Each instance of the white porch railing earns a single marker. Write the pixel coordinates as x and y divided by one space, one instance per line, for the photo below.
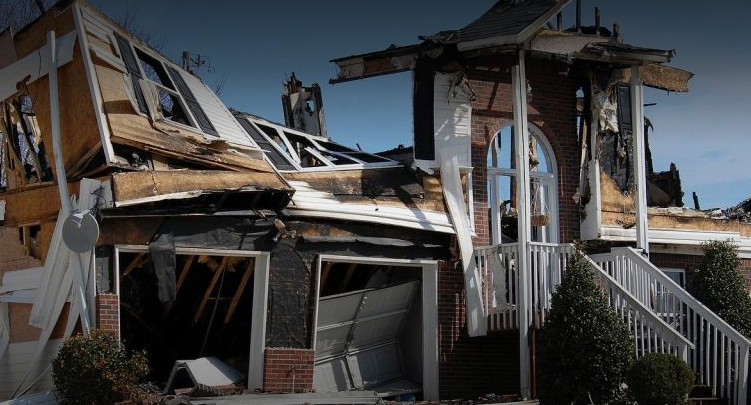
497 267
721 354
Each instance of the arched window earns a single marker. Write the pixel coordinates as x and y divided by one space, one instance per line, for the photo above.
502 176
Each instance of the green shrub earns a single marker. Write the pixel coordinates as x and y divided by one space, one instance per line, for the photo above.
660 379
97 370
718 285
584 349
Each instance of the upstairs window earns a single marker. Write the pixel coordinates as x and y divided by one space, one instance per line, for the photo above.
160 90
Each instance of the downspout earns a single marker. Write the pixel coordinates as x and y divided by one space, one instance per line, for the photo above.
521 139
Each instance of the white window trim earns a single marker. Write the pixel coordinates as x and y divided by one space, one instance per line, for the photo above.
260 299
549 179
429 295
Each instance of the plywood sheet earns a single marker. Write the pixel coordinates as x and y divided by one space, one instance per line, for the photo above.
133 186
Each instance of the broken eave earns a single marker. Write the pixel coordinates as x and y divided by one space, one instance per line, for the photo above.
394 59
201 190
623 54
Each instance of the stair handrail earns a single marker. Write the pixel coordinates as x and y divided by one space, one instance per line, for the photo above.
677 339
681 293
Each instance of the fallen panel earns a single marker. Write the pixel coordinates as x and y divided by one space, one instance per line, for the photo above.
205 371
357 337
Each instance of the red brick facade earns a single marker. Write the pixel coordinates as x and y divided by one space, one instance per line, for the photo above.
288 370
552 109
469 367
107 313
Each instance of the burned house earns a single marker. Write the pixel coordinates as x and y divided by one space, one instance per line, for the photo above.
196 232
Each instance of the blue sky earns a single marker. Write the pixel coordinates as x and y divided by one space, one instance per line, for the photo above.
256 45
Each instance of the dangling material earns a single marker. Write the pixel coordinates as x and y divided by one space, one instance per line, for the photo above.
539 215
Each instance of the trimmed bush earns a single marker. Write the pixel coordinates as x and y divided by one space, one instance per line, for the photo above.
584 349
660 379
719 285
97 370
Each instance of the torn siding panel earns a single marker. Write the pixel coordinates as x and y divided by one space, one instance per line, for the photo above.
35 65
140 187
16 360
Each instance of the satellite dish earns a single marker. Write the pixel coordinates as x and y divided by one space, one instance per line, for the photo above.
80 231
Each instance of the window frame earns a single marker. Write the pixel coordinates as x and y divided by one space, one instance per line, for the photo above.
547 179
193 126
294 159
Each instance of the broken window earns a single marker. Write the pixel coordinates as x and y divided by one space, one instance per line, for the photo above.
210 315
293 150
166 95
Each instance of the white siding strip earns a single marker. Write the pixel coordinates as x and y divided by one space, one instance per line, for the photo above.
21 279
35 65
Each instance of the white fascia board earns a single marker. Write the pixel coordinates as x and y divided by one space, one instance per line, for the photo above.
677 237
35 65
406 218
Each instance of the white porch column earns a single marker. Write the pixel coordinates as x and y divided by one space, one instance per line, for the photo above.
521 139
640 171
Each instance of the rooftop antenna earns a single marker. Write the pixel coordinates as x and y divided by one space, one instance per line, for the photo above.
193 63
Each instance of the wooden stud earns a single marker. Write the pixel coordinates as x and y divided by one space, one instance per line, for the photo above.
347 277
135 263
210 289
239 292
184 273
325 274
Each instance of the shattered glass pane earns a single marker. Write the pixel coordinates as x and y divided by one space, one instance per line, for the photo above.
171 108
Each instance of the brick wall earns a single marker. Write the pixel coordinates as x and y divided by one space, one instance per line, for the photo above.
107 314
552 109
470 367
288 370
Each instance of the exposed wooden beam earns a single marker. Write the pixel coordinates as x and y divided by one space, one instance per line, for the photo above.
240 290
210 289
137 261
184 273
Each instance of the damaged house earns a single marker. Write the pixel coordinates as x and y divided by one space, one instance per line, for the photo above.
196 232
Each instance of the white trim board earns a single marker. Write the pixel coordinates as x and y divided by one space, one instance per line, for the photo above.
35 65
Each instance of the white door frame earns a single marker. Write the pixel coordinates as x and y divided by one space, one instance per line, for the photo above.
260 299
